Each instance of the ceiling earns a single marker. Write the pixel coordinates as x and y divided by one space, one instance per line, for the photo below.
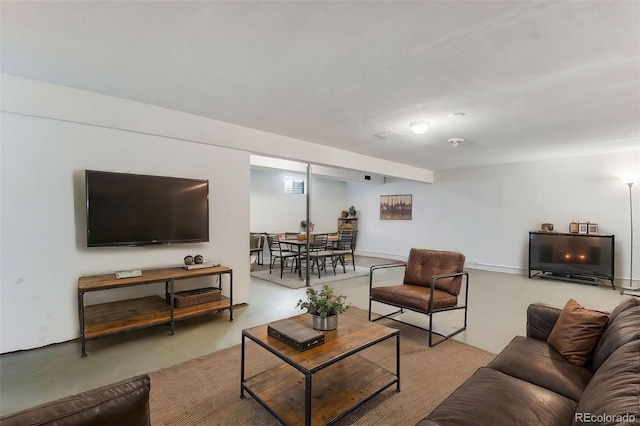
536 80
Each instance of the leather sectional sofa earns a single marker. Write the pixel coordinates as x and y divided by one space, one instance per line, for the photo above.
530 382
125 403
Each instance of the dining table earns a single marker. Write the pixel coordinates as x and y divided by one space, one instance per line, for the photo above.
303 243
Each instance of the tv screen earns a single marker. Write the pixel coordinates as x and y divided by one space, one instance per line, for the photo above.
572 254
129 210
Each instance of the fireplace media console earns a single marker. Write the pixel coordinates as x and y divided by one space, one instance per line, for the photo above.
582 258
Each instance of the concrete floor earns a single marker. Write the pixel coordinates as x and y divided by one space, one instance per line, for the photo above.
497 312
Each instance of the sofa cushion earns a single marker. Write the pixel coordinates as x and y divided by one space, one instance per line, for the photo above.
624 326
576 332
413 296
125 403
614 390
490 397
537 362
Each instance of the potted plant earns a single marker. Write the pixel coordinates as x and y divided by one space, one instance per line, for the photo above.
324 306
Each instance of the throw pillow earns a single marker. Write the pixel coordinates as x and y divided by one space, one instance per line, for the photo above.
576 332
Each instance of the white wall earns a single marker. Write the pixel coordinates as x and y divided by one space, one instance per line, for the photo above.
50 133
487 212
42 194
274 211
43 243
22 95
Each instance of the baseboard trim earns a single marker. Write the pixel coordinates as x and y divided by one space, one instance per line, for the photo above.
381 255
619 281
496 268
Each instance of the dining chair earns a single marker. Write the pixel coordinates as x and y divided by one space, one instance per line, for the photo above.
290 236
318 253
277 252
344 249
256 245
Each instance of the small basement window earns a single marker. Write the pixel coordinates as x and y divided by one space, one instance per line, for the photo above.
293 185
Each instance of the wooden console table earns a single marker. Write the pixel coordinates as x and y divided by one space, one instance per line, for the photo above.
127 315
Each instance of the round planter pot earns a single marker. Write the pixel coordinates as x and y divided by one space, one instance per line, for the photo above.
327 323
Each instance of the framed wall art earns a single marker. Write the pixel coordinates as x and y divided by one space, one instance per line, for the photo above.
395 207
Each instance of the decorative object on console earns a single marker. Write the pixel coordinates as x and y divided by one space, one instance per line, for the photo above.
593 228
573 227
188 260
200 266
395 207
352 211
198 259
630 179
547 227
129 274
324 306
344 214
583 228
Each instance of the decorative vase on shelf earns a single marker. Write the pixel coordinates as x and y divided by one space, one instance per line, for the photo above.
329 322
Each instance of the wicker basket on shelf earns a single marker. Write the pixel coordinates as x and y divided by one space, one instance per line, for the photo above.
197 296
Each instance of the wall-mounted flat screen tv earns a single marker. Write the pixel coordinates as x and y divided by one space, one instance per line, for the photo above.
131 210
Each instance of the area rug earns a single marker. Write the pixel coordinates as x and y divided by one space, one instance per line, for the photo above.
206 390
291 279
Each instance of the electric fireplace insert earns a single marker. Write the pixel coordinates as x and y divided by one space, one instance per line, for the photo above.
584 258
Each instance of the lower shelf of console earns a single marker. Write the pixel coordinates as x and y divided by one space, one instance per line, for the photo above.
114 317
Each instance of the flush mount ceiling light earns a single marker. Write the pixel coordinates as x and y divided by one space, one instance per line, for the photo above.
456 114
419 127
455 141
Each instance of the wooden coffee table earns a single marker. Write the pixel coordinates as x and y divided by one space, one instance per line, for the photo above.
322 384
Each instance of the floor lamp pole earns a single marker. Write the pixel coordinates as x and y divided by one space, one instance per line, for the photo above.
631 223
631 235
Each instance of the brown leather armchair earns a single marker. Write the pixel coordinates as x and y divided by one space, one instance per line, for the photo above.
432 283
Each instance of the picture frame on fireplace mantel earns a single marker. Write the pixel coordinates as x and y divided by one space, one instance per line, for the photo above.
592 228
583 228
